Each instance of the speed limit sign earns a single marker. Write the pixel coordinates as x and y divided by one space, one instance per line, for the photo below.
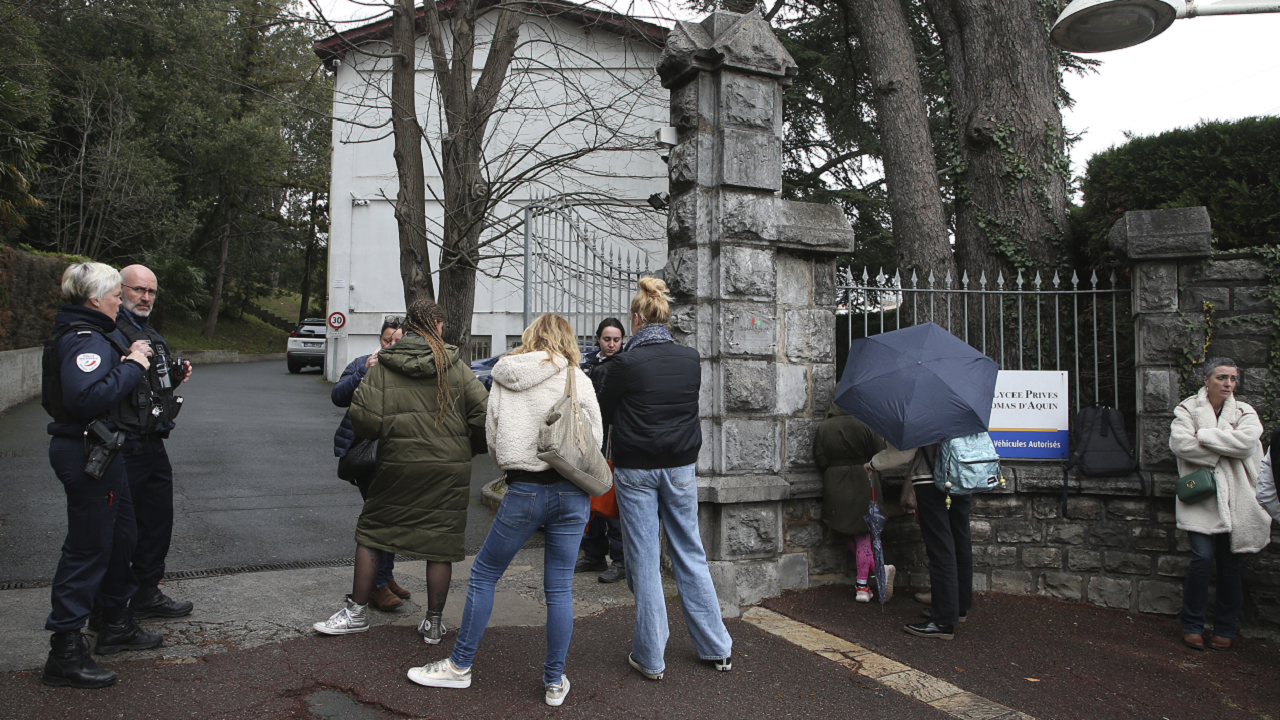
337 320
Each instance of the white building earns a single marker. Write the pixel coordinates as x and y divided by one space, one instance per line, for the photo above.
582 78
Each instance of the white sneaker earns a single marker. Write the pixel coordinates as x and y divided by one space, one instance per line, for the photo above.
556 693
443 674
353 618
631 660
863 594
886 592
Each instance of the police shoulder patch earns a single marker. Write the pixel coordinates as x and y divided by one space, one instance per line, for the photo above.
88 362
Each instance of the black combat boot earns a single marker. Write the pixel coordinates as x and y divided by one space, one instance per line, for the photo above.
120 632
150 602
69 664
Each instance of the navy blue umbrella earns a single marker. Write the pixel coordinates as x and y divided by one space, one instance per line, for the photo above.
918 386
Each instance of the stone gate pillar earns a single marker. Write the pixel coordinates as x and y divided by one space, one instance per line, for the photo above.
753 276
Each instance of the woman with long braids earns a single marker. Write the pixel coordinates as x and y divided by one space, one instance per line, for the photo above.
427 411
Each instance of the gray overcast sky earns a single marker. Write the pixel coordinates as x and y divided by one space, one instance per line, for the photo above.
1206 68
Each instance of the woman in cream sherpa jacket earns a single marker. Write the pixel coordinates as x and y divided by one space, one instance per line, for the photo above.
526 384
524 388
1214 430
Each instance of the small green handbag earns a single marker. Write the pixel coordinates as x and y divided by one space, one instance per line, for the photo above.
1197 486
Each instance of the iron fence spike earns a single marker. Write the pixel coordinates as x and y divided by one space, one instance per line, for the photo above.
982 280
1094 279
1037 280
1075 279
931 280
915 282
1112 279
964 280
1056 280
1000 279
1019 281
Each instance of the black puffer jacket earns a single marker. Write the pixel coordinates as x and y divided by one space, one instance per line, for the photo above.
649 397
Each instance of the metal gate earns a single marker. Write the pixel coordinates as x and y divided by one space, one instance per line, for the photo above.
571 272
1057 324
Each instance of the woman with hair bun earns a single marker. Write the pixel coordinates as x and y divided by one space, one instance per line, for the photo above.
426 410
649 397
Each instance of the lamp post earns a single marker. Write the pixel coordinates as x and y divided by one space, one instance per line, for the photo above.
1089 26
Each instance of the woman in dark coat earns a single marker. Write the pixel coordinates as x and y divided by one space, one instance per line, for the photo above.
841 447
387 593
426 409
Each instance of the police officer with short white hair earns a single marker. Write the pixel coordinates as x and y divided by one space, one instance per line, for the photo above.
145 458
94 388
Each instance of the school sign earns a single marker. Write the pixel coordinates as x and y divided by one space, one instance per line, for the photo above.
1029 415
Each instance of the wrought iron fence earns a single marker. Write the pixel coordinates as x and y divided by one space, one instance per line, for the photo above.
579 276
1041 325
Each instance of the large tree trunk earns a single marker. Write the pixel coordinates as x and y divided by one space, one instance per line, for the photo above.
1011 193
1011 198
211 320
911 174
308 261
467 111
411 198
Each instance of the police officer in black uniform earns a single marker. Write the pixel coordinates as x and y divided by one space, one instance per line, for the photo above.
95 389
145 459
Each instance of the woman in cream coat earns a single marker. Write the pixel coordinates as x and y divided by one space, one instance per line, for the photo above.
1214 430
526 384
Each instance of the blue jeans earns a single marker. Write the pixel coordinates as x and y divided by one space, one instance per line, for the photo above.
1195 591
386 559
669 495
562 510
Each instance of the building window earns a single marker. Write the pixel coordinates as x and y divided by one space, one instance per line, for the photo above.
513 342
481 347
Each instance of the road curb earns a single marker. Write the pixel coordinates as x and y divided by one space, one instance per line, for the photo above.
932 691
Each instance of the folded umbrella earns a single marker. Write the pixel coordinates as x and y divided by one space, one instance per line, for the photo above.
918 386
875 523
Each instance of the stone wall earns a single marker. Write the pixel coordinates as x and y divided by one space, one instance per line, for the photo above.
1116 545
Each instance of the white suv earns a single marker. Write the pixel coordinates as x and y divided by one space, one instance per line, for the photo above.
306 345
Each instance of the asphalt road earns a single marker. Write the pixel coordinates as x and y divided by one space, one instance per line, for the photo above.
255 478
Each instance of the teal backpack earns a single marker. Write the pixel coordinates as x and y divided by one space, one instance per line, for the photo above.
967 465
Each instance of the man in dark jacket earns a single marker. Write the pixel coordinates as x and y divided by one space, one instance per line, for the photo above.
145 459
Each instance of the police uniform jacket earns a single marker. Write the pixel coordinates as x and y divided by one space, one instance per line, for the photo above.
137 328
94 379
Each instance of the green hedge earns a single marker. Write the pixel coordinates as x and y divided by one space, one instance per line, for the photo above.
30 294
1232 168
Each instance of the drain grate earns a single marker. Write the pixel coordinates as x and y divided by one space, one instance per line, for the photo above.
217 572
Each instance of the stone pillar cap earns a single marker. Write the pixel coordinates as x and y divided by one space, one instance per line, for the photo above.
724 40
1163 234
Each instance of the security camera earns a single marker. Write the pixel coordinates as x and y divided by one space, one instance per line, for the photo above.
666 137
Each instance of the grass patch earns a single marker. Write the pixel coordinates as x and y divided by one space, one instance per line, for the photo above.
249 335
285 305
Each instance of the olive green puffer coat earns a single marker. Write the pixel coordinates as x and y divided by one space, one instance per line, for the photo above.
417 502
843 444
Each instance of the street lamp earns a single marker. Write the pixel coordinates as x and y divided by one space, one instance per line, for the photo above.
1089 26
